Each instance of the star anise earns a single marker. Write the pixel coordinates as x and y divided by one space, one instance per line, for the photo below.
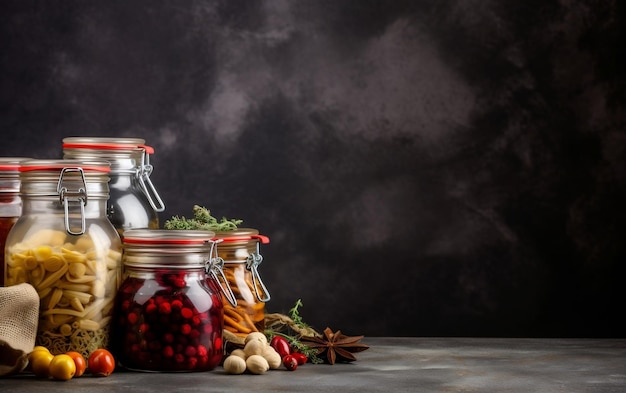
335 346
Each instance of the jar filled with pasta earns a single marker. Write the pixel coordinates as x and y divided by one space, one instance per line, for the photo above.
10 201
240 251
66 248
169 310
134 201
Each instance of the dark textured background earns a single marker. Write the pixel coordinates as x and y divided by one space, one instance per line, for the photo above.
442 167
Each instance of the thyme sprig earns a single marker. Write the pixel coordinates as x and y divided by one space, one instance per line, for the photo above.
202 220
294 313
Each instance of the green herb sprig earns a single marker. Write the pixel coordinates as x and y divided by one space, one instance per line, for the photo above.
202 220
291 328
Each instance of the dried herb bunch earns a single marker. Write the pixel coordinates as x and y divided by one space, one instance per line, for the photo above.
202 220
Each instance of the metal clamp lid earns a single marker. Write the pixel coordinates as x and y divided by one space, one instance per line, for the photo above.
215 267
143 174
252 263
79 195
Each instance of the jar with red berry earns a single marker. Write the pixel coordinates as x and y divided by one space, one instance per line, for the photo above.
169 310
240 251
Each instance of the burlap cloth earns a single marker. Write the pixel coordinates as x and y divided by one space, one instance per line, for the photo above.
19 315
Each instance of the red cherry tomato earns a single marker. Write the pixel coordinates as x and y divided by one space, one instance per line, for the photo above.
79 361
290 362
300 357
101 363
281 345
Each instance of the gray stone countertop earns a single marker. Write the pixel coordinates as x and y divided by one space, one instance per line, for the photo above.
396 364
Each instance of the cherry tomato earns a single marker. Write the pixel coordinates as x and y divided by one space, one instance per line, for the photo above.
101 363
40 363
62 367
300 357
41 348
281 345
290 362
79 361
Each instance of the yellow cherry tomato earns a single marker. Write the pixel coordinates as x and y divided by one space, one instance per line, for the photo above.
40 363
62 367
40 348
35 350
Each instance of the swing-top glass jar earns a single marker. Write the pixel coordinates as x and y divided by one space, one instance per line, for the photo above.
10 201
134 201
66 248
169 307
240 251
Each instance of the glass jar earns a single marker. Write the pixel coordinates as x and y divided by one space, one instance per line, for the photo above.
240 251
134 201
10 201
169 310
64 246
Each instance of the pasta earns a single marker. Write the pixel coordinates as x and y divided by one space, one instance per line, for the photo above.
76 279
249 314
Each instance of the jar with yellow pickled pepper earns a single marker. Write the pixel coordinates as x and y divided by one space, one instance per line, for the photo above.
64 245
240 251
10 201
134 202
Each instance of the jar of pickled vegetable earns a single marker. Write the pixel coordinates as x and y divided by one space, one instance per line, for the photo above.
66 248
169 308
134 201
10 201
240 251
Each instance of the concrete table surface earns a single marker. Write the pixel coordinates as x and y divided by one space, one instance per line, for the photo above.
396 364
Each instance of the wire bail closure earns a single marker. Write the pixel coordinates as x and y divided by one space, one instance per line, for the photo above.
252 262
215 267
66 196
143 174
